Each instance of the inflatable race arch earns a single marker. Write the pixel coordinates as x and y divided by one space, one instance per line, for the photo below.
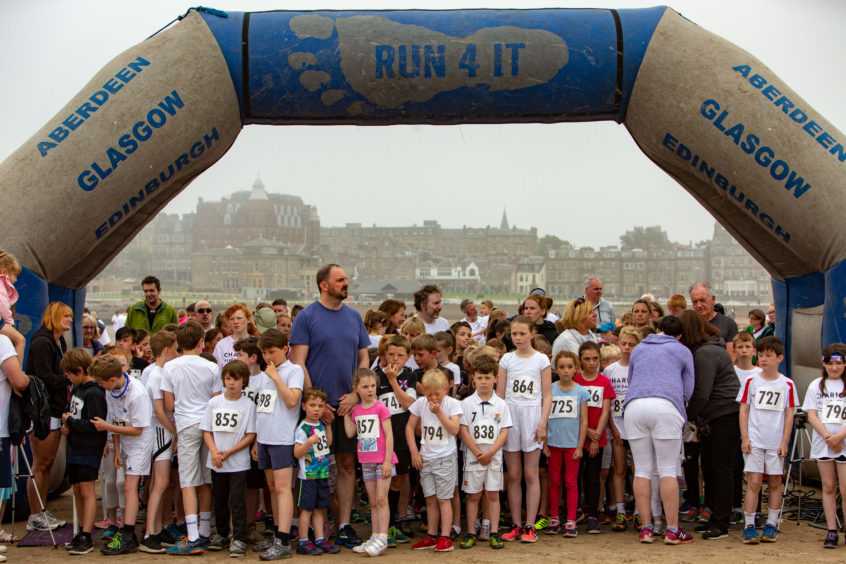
766 165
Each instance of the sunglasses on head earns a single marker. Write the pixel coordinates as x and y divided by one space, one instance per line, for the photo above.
204 310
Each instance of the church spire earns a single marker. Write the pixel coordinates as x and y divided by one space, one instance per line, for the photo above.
504 223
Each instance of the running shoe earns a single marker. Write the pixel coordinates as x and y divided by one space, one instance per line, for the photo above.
109 533
593 526
165 536
425 543
469 541
39 522
554 526
485 532
186 548
713 534
347 537
750 535
444 545
529 535
152 545
495 541
121 543
376 547
541 523
356 517
327 546
570 530
619 523
638 522
513 533
680 536
704 515
658 529
645 535
55 521
769 533
398 536
308 547
237 548
277 551
735 517
81 544
831 540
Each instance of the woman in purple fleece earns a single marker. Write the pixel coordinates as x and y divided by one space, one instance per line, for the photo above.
660 382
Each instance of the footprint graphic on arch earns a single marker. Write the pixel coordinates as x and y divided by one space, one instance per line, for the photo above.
320 27
391 63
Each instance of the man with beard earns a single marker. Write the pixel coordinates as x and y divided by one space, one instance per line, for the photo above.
329 341
427 302
152 314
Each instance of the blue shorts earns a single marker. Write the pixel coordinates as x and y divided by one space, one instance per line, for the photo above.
275 457
313 494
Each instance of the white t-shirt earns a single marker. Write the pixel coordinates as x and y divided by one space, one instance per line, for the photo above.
153 383
7 350
374 341
225 351
251 391
456 372
229 421
132 408
767 399
523 378
145 374
438 324
744 375
484 421
479 324
435 441
193 381
276 423
619 377
831 409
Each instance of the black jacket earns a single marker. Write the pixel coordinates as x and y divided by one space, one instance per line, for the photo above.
84 439
716 385
45 361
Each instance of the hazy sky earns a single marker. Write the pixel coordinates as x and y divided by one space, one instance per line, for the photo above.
584 182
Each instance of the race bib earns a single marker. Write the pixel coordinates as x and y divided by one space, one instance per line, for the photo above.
595 395
389 399
121 422
225 420
564 407
367 426
833 411
434 435
265 401
525 387
76 405
321 447
484 432
251 393
769 398
617 406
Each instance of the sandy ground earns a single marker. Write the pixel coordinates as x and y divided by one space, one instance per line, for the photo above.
798 543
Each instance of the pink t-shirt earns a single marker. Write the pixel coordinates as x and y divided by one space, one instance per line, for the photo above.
8 297
371 435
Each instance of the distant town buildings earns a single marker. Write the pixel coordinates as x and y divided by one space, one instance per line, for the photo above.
256 244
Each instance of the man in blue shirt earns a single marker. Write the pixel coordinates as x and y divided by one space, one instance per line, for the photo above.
329 340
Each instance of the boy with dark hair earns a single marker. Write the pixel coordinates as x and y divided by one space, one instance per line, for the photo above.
277 414
397 390
767 402
188 383
229 428
85 442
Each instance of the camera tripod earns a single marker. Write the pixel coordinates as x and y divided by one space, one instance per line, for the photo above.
793 481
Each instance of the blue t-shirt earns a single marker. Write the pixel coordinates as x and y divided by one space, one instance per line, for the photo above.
563 427
334 338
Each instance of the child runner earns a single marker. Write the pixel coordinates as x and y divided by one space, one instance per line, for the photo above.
568 420
130 414
744 367
229 428
825 403
279 389
524 380
370 421
439 416
767 401
311 447
485 422
601 394
397 391
85 442
163 345
618 374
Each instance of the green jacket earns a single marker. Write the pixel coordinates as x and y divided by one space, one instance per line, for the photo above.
137 317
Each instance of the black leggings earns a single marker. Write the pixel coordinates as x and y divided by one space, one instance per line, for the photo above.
230 492
590 468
